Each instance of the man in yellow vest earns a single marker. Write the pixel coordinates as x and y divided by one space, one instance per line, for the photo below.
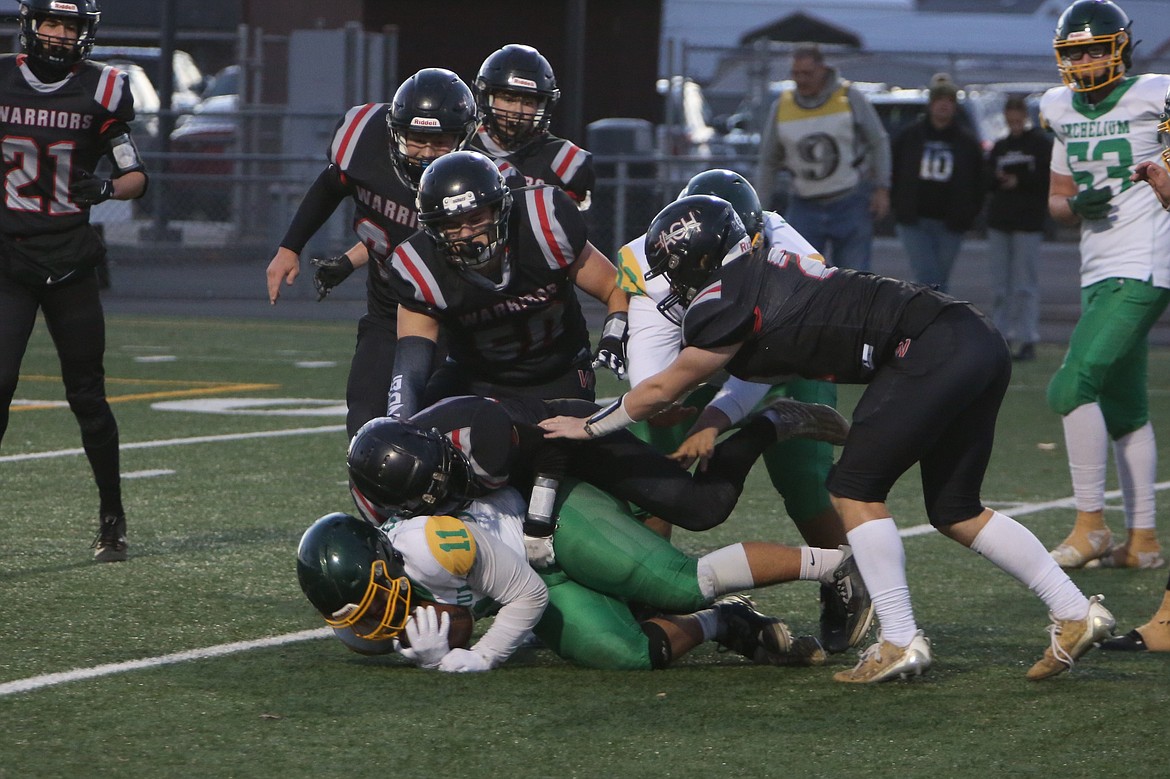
825 133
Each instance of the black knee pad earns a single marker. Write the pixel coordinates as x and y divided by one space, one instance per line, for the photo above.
660 652
97 427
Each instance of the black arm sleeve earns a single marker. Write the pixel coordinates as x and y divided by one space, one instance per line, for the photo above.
316 207
412 368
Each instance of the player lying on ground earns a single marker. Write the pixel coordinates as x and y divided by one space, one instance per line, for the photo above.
366 582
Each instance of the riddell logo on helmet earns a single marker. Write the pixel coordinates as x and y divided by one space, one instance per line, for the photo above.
345 611
459 202
526 83
58 6
678 231
425 121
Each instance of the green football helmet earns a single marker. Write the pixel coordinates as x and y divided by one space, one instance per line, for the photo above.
1093 44
735 189
354 576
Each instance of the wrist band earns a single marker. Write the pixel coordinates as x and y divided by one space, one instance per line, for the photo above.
616 325
610 419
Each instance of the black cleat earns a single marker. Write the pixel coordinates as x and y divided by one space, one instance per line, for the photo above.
1130 642
110 546
796 419
762 639
846 610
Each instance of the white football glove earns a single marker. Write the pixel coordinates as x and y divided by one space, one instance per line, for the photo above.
539 551
461 661
427 631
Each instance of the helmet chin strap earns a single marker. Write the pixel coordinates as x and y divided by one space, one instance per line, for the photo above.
46 70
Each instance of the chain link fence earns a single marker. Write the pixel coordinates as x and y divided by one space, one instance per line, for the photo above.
229 190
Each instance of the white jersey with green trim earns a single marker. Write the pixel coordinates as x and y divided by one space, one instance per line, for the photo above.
1099 145
654 341
476 556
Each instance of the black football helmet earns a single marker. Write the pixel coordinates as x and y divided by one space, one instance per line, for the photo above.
354 577
432 101
398 470
1093 27
457 184
688 241
521 70
735 189
59 54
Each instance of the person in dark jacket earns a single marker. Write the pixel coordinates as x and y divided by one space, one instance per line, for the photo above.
937 185
1018 181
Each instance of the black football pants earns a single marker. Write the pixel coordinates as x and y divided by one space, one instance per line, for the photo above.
73 315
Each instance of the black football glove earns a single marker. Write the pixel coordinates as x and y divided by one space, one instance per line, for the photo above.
89 190
1091 203
331 271
611 350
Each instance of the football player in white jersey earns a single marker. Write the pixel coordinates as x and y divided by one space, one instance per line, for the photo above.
366 582
1105 121
1154 636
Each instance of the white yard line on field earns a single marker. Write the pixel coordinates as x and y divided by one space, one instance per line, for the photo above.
50 680
148 474
77 674
199 439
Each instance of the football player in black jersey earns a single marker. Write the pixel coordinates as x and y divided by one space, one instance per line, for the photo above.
516 91
496 268
463 449
61 114
936 371
376 157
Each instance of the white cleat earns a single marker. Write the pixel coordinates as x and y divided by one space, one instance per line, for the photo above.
1069 557
884 662
1071 638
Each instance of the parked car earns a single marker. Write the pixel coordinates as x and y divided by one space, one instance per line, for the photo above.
202 146
188 78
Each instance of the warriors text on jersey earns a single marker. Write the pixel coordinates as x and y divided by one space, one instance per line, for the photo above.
45 147
795 316
1098 145
528 327
384 214
548 160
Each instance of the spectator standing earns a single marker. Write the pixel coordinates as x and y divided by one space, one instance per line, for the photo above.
1018 181
937 185
824 132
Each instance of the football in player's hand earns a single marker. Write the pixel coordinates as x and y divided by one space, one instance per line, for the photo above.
462 623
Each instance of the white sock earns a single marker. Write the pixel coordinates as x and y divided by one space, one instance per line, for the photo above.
1087 442
724 570
1014 548
881 558
708 622
1137 470
817 565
